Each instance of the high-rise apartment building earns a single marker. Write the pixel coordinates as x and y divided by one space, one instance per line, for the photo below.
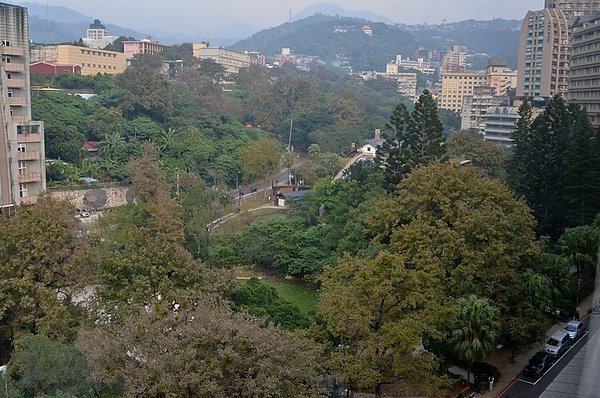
455 60
574 8
544 47
475 107
455 86
584 75
22 166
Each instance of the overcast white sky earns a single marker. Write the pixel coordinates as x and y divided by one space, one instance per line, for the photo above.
198 15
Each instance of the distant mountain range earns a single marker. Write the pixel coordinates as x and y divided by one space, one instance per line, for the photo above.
324 29
57 24
327 36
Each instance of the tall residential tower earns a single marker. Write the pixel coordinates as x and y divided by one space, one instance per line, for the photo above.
22 168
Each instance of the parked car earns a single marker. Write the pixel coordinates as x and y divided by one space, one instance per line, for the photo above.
575 329
558 343
539 363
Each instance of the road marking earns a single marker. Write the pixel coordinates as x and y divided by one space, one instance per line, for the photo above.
555 362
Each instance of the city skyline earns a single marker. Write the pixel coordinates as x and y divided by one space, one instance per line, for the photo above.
260 14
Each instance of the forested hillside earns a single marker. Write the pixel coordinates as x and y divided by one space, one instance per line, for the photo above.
317 36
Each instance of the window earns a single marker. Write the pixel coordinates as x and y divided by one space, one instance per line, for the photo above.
9 93
22 148
23 190
6 60
9 75
6 43
22 168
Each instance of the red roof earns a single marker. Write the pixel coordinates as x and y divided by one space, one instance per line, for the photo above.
90 146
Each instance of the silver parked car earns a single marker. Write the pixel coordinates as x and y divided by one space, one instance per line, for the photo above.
576 329
558 343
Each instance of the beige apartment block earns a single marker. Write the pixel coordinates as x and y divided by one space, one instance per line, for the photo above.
231 60
91 60
544 53
22 166
455 86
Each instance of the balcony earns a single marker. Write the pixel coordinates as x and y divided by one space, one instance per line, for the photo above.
33 177
14 67
16 101
15 83
8 50
28 155
31 137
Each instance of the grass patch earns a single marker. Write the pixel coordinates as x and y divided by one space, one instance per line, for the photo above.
244 219
302 295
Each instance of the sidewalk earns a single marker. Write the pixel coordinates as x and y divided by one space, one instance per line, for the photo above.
510 371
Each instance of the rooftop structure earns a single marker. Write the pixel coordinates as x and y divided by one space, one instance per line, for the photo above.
97 36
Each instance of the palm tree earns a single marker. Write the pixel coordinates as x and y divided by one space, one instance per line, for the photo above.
580 246
475 330
113 146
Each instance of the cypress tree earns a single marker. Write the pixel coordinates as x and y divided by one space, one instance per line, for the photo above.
391 156
425 132
415 139
521 149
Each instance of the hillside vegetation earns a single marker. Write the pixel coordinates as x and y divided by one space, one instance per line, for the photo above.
317 36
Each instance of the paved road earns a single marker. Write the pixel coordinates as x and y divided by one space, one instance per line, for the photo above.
575 375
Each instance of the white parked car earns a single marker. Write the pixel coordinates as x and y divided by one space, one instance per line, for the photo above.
575 329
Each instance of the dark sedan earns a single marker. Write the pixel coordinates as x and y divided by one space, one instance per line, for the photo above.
539 363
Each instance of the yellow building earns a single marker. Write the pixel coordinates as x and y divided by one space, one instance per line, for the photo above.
91 60
455 86
231 60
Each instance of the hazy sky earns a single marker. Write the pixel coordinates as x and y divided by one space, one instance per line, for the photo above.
191 16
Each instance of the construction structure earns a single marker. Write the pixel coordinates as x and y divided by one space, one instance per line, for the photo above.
22 166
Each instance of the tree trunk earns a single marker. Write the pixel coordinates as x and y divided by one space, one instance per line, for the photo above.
378 390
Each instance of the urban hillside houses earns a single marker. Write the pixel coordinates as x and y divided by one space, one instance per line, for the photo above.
22 166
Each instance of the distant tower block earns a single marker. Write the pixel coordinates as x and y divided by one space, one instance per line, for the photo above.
290 15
